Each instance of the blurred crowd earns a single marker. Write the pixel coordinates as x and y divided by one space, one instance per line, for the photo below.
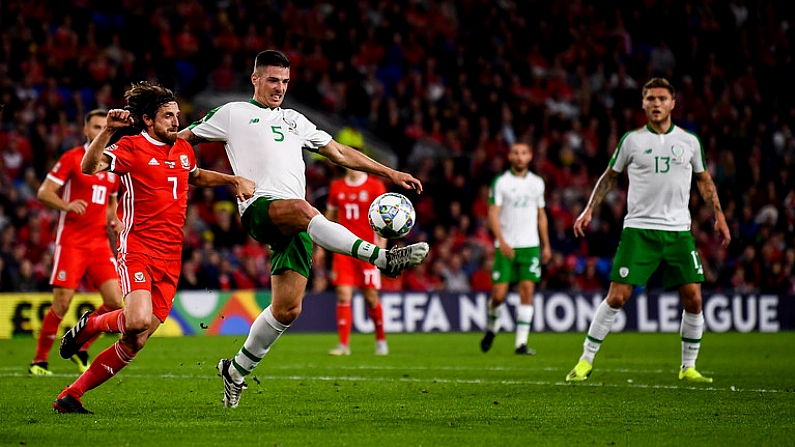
448 85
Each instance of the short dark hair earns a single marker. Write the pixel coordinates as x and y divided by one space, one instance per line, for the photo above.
271 58
96 112
144 98
658 83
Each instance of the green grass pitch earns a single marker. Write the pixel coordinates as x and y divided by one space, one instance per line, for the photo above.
432 390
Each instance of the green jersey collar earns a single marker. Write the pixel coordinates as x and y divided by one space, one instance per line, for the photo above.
254 101
648 127
515 174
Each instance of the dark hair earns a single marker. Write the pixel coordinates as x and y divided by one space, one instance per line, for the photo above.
271 58
658 83
144 98
96 112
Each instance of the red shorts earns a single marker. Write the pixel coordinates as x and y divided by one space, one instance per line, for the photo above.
69 264
159 276
348 271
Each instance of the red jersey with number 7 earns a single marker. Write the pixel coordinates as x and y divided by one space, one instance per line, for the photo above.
352 202
154 202
90 229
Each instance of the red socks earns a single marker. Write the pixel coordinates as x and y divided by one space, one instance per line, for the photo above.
49 327
105 365
103 309
344 317
345 322
109 323
377 315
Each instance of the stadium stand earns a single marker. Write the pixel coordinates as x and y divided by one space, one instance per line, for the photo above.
447 86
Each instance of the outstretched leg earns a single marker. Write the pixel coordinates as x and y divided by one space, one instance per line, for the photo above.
136 321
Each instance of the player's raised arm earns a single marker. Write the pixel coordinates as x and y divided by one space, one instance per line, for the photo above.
603 186
351 158
95 160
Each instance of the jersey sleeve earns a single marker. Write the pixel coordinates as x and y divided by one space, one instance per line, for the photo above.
312 137
62 170
191 157
699 159
121 156
115 184
215 125
541 202
495 198
620 159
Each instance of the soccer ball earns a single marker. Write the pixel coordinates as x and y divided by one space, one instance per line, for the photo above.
391 215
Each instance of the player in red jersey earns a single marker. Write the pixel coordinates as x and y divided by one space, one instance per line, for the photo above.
87 205
155 169
348 203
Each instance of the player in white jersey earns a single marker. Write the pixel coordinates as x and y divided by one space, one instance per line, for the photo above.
264 143
661 160
518 220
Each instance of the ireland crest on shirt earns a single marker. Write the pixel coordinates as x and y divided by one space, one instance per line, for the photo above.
678 152
183 160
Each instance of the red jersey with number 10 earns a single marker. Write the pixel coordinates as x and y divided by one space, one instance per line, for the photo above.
154 203
352 202
90 229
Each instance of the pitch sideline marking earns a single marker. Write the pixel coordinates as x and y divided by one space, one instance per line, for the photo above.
431 380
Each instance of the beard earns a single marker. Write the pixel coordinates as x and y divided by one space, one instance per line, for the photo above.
166 136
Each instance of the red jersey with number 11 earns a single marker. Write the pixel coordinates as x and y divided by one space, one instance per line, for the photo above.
352 200
90 229
154 203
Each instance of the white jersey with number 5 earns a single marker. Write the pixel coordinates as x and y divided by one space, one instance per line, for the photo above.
264 145
660 169
519 199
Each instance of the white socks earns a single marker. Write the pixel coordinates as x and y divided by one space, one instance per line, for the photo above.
334 237
691 330
600 326
265 330
494 313
524 316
